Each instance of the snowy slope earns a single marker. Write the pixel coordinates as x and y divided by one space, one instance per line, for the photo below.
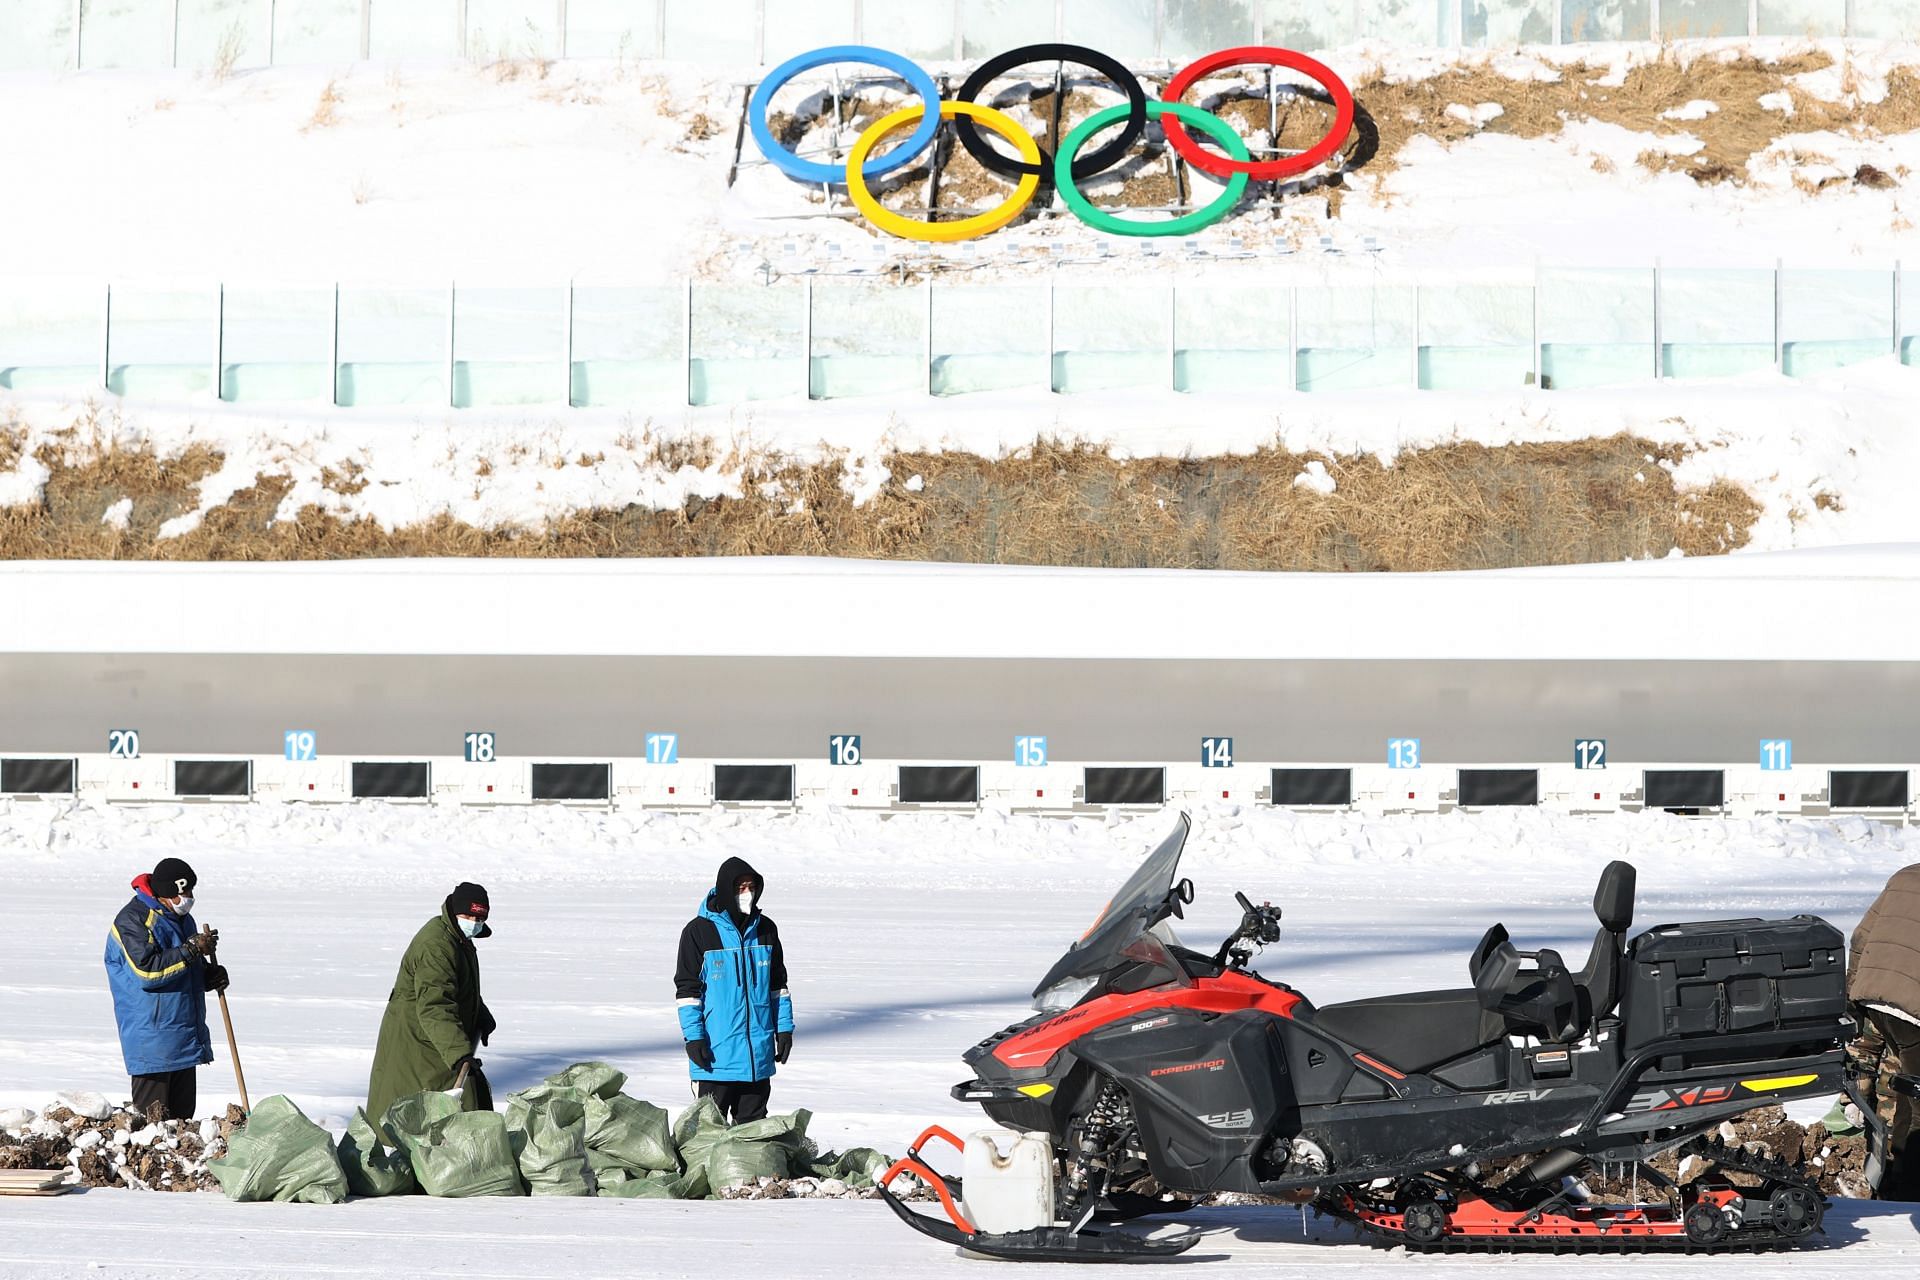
909 939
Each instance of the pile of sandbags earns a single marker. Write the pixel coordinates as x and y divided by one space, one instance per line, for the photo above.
577 1134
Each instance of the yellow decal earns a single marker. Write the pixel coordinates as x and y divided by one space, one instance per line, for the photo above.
1042 1090
1777 1082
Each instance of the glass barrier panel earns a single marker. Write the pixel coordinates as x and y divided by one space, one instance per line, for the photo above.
315 31
161 342
1194 28
1476 337
1715 322
413 29
613 29
1123 28
1308 26
1587 20
1809 19
1909 316
50 336
988 27
509 346
36 35
1502 23
1107 337
922 30
509 30
795 28
1833 318
868 339
1232 338
126 33
221 35
1352 339
1413 23
393 347
748 343
629 345
989 338
1596 326
715 31
1702 19
276 344
1886 20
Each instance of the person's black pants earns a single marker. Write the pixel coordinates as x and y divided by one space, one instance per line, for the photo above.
1901 1053
175 1091
739 1100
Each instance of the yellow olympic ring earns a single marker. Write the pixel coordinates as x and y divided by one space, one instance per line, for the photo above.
943 232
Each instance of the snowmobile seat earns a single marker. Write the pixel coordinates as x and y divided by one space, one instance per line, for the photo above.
1415 1031
1598 981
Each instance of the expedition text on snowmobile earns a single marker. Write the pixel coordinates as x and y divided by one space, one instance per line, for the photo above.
1153 1065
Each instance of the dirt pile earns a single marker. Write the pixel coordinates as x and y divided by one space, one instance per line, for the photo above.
100 1144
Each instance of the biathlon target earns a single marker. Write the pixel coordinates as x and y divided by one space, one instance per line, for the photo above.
1031 164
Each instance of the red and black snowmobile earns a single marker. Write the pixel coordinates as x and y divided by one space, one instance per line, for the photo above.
1526 1111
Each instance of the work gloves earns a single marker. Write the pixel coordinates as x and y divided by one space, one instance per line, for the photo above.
202 944
700 1054
782 1045
216 977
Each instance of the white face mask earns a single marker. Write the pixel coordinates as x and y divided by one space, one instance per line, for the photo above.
746 903
470 927
183 906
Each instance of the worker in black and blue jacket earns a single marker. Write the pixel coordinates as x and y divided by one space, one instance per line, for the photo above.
731 982
160 967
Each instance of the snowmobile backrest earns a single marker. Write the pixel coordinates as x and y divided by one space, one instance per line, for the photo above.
1488 941
1496 965
1613 900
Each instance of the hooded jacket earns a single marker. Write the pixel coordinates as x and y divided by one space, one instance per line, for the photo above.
1884 960
731 981
434 1018
159 987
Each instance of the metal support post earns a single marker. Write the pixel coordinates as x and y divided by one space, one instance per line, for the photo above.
806 336
333 353
106 342
460 49
1779 345
173 27
78 6
1293 337
1173 337
1539 370
686 339
1896 308
1416 336
453 295
1050 386
1659 361
568 340
926 346
220 342
560 29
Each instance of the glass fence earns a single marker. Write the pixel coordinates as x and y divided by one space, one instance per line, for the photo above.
613 346
64 34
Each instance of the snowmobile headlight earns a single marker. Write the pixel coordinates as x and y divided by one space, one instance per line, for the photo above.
1062 996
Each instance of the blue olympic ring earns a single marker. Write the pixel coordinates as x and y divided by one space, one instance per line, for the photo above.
813 171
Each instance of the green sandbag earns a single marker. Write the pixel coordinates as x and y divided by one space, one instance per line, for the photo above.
454 1152
733 1161
857 1167
373 1168
279 1154
547 1129
596 1078
633 1132
658 1186
774 1147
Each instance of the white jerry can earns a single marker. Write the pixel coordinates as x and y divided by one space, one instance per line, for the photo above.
1011 1191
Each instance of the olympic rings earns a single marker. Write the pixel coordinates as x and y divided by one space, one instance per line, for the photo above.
812 171
1100 161
943 232
1266 170
1065 169
1099 219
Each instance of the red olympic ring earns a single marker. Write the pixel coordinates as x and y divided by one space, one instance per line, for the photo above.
1261 170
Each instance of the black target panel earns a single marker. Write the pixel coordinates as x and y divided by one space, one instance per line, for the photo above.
391 780
753 783
571 781
1684 788
38 777
213 777
1867 788
1312 786
939 784
1107 785
1489 787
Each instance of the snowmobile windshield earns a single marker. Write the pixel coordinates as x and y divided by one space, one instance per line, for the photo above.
1131 927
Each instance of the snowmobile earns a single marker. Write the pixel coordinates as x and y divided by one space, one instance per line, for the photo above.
1476 1118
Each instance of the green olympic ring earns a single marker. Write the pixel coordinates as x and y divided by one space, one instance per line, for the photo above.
1211 125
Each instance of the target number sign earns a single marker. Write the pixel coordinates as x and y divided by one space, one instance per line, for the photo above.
480 746
123 744
302 744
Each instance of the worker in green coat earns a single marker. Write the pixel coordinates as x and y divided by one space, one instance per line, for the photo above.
435 1018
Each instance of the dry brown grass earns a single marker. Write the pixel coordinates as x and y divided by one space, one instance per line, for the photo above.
1731 136
326 111
1457 506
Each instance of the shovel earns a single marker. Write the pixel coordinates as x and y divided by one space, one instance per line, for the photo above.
226 1016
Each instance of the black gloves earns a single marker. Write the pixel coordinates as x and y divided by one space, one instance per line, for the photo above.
203 943
782 1045
216 977
470 1062
700 1054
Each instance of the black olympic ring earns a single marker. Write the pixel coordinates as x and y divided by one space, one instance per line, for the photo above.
1097 161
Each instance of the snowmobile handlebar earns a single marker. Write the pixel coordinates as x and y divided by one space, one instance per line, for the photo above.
1258 925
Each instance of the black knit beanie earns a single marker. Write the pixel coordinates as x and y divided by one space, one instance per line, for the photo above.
172 878
468 900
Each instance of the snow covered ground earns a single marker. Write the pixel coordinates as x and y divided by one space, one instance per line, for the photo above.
909 939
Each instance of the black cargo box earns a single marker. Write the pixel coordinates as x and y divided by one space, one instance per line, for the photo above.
1719 976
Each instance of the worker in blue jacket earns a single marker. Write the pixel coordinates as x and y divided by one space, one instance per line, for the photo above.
731 982
160 968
